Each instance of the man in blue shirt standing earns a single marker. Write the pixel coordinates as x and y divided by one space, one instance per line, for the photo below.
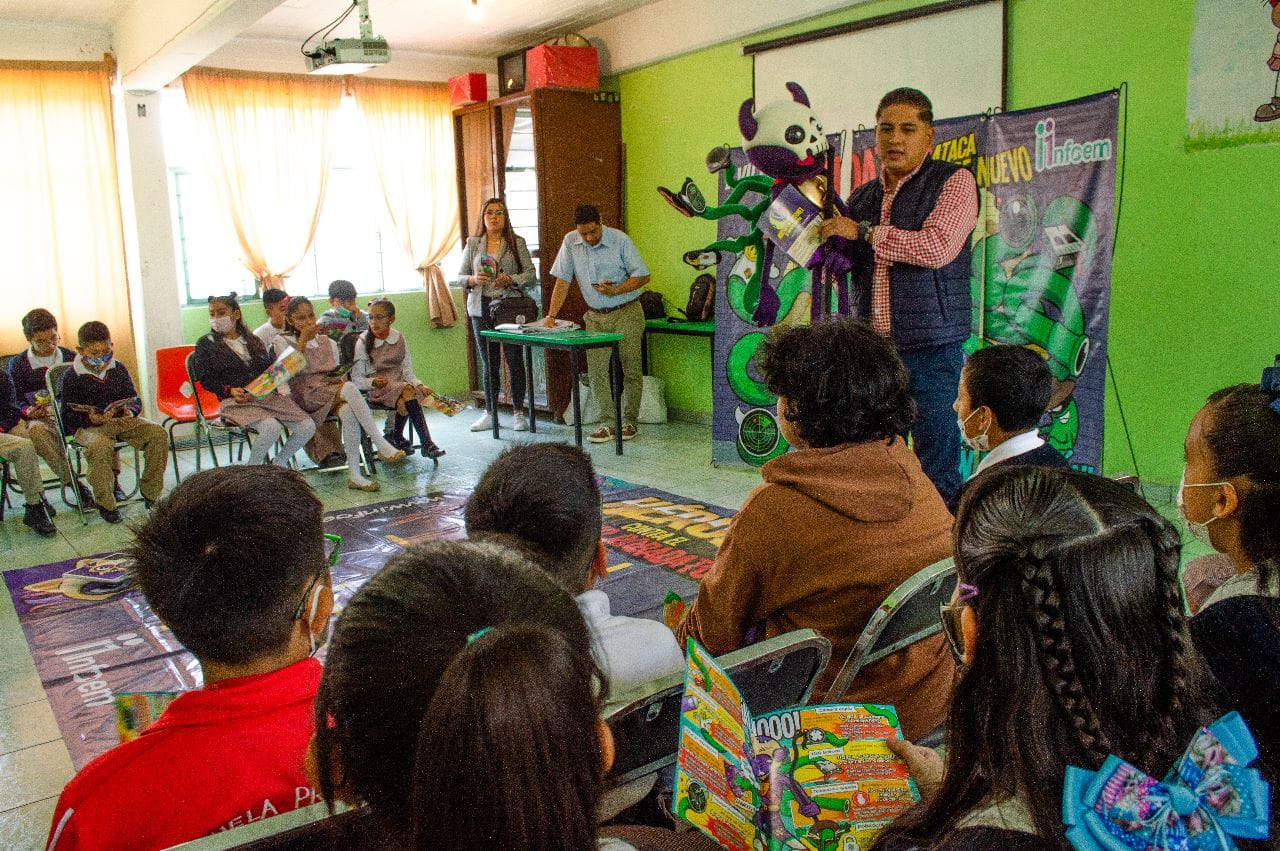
609 272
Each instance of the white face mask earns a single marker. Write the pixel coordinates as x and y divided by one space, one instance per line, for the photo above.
978 443
221 324
1199 531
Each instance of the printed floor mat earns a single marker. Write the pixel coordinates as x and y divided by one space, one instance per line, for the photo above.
89 647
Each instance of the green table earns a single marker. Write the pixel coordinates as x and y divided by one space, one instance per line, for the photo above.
566 341
680 328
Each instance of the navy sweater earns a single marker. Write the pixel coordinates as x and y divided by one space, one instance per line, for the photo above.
27 382
97 390
10 412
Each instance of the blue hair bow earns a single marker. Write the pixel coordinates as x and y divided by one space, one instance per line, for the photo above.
1208 796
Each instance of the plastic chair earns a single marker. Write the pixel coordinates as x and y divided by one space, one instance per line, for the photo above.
909 614
774 674
209 420
174 393
72 452
304 829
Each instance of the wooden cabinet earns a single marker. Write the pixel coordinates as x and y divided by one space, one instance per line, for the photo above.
545 152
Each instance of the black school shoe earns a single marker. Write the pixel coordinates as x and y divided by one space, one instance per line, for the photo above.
432 451
38 519
111 515
399 441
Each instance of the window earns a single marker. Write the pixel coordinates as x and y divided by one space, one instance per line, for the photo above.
353 239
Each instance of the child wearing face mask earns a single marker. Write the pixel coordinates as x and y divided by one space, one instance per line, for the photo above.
1003 393
1230 499
97 381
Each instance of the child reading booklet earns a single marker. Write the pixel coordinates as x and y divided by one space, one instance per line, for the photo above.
812 777
118 408
290 363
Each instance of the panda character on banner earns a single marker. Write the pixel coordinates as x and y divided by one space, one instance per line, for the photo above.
784 140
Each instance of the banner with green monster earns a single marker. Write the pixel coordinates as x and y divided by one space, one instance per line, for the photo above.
1041 263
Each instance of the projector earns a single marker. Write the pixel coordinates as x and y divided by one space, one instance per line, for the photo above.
348 55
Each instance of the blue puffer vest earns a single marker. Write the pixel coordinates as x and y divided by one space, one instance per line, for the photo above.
928 307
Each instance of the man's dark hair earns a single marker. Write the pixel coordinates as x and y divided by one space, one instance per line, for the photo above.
909 97
225 558
93 332
340 289
545 494
843 382
586 214
1013 381
38 320
395 641
274 296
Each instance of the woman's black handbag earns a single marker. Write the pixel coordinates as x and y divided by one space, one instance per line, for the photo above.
515 308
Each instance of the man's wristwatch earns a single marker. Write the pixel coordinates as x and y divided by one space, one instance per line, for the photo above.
864 230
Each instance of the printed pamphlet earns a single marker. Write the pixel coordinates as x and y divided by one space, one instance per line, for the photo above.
812 777
290 363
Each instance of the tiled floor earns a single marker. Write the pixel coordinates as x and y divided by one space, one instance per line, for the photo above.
34 763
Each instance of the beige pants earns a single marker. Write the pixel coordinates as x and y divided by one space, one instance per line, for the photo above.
21 455
99 448
628 321
44 434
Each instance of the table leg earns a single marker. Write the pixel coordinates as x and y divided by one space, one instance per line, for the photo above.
492 376
577 408
528 386
615 381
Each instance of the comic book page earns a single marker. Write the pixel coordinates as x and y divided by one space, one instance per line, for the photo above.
827 779
792 222
715 791
290 363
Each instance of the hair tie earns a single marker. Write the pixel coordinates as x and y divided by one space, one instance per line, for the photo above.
477 635
967 592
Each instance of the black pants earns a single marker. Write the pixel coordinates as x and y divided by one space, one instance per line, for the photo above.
489 355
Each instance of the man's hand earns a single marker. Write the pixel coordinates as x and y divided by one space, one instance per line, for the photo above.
839 225
605 287
240 395
379 382
925 764
549 322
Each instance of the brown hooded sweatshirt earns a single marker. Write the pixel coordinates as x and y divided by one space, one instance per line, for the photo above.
820 545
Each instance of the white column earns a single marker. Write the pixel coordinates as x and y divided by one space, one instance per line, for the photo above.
149 246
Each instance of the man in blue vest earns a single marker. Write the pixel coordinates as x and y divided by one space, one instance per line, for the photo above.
909 235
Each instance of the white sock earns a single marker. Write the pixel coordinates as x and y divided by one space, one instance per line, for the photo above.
360 410
351 443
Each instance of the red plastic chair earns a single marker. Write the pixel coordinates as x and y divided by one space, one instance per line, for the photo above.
176 400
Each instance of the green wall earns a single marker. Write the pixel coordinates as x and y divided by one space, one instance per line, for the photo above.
439 354
1194 302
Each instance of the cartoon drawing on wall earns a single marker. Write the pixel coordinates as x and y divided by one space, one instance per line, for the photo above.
1023 292
1270 110
1233 77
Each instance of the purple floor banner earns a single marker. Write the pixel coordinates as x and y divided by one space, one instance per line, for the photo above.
1041 268
88 648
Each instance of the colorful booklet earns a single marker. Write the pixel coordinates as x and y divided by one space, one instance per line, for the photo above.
290 363
114 409
137 711
443 404
792 223
812 777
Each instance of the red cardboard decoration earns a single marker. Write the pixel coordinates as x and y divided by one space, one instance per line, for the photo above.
467 88
560 67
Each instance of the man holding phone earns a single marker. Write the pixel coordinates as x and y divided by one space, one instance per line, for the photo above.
610 274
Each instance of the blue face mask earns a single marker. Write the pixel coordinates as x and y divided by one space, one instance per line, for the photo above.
99 363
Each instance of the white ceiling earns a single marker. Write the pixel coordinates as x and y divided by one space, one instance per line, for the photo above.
96 13
457 27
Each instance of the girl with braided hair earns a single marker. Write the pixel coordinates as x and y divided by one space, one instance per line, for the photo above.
1069 619
1230 499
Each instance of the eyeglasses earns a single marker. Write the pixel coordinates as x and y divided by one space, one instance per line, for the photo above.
330 563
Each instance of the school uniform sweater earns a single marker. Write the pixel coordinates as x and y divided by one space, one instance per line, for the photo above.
84 387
